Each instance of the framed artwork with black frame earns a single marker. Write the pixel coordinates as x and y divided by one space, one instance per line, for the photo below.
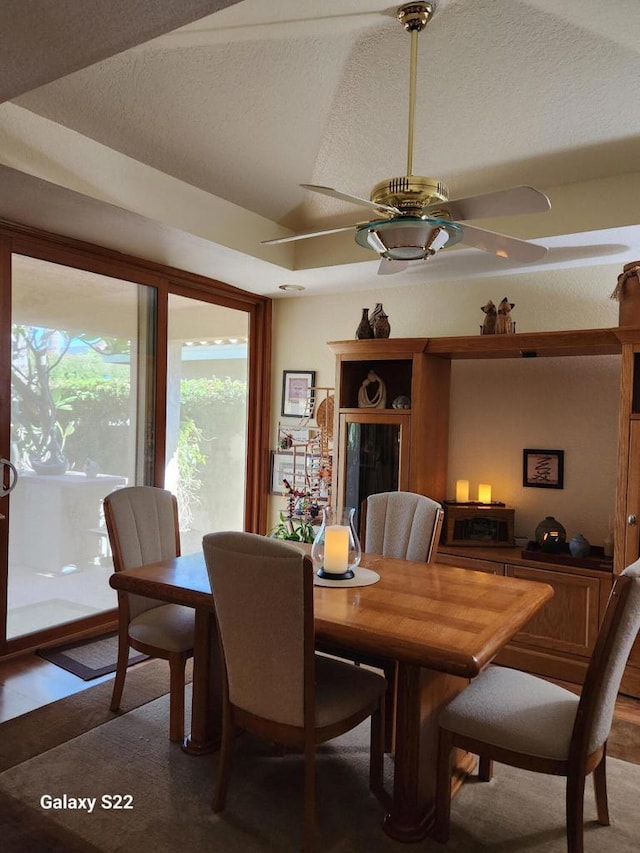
543 469
297 392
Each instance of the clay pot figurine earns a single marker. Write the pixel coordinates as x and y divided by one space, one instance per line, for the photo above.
627 292
491 315
504 321
364 329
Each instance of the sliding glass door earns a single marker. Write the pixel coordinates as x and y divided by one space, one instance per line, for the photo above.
81 407
115 371
206 431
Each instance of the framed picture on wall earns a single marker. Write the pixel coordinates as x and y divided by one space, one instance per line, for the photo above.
543 469
282 468
297 392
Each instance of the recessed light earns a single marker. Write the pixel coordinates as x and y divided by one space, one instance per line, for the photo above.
291 287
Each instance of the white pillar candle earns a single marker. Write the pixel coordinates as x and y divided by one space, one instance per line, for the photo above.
462 491
336 549
484 493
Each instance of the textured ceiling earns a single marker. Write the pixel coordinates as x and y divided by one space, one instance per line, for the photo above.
209 129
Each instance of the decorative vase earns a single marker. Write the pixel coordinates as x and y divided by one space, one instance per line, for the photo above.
550 533
579 546
364 329
379 322
381 327
336 549
376 313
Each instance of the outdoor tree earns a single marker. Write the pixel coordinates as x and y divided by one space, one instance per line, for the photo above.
38 432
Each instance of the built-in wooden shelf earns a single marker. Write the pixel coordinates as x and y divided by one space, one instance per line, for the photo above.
558 642
519 345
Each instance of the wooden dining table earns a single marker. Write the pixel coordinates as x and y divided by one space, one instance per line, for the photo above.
441 624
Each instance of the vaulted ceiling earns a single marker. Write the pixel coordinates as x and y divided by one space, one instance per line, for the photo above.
180 130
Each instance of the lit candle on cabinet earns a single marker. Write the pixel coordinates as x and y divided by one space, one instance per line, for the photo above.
336 549
484 493
462 491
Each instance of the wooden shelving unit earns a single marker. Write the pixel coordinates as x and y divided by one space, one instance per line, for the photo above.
560 641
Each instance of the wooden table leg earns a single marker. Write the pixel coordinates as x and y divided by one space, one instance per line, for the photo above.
421 694
206 708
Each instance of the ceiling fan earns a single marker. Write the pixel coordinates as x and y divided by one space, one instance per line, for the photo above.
415 218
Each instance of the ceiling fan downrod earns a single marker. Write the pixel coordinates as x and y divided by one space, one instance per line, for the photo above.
411 193
414 17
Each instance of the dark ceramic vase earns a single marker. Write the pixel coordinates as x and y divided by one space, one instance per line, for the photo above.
364 329
381 327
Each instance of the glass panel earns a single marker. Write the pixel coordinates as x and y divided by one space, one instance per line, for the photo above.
372 462
206 416
78 350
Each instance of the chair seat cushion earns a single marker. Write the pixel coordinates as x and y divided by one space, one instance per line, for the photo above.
514 710
169 627
343 689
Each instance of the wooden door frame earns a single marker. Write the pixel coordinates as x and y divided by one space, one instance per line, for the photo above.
23 240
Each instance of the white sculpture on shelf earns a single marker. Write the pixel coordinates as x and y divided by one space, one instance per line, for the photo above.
372 397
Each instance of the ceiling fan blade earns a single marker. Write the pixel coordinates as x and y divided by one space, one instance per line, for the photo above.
509 202
389 267
303 235
501 245
354 199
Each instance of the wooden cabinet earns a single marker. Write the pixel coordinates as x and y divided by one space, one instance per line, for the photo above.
631 678
382 449
569 622
559 640
374 454
627 532
492 567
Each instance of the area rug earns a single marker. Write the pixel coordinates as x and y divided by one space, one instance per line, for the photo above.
89 658
38 731
164 800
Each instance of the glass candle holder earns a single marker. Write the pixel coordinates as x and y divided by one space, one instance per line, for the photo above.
336 549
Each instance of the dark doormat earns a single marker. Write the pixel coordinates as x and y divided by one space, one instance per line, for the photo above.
90 658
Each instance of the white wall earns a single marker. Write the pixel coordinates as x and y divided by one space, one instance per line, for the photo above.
497 407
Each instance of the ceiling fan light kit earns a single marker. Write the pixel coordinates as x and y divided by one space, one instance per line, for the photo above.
408 238
415 218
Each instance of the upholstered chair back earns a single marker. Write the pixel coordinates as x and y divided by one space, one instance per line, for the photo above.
142 523
262 606
403 525
624 633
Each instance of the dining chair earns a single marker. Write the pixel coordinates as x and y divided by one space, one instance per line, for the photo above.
524 721
407 526
276 686
402 524
142 524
